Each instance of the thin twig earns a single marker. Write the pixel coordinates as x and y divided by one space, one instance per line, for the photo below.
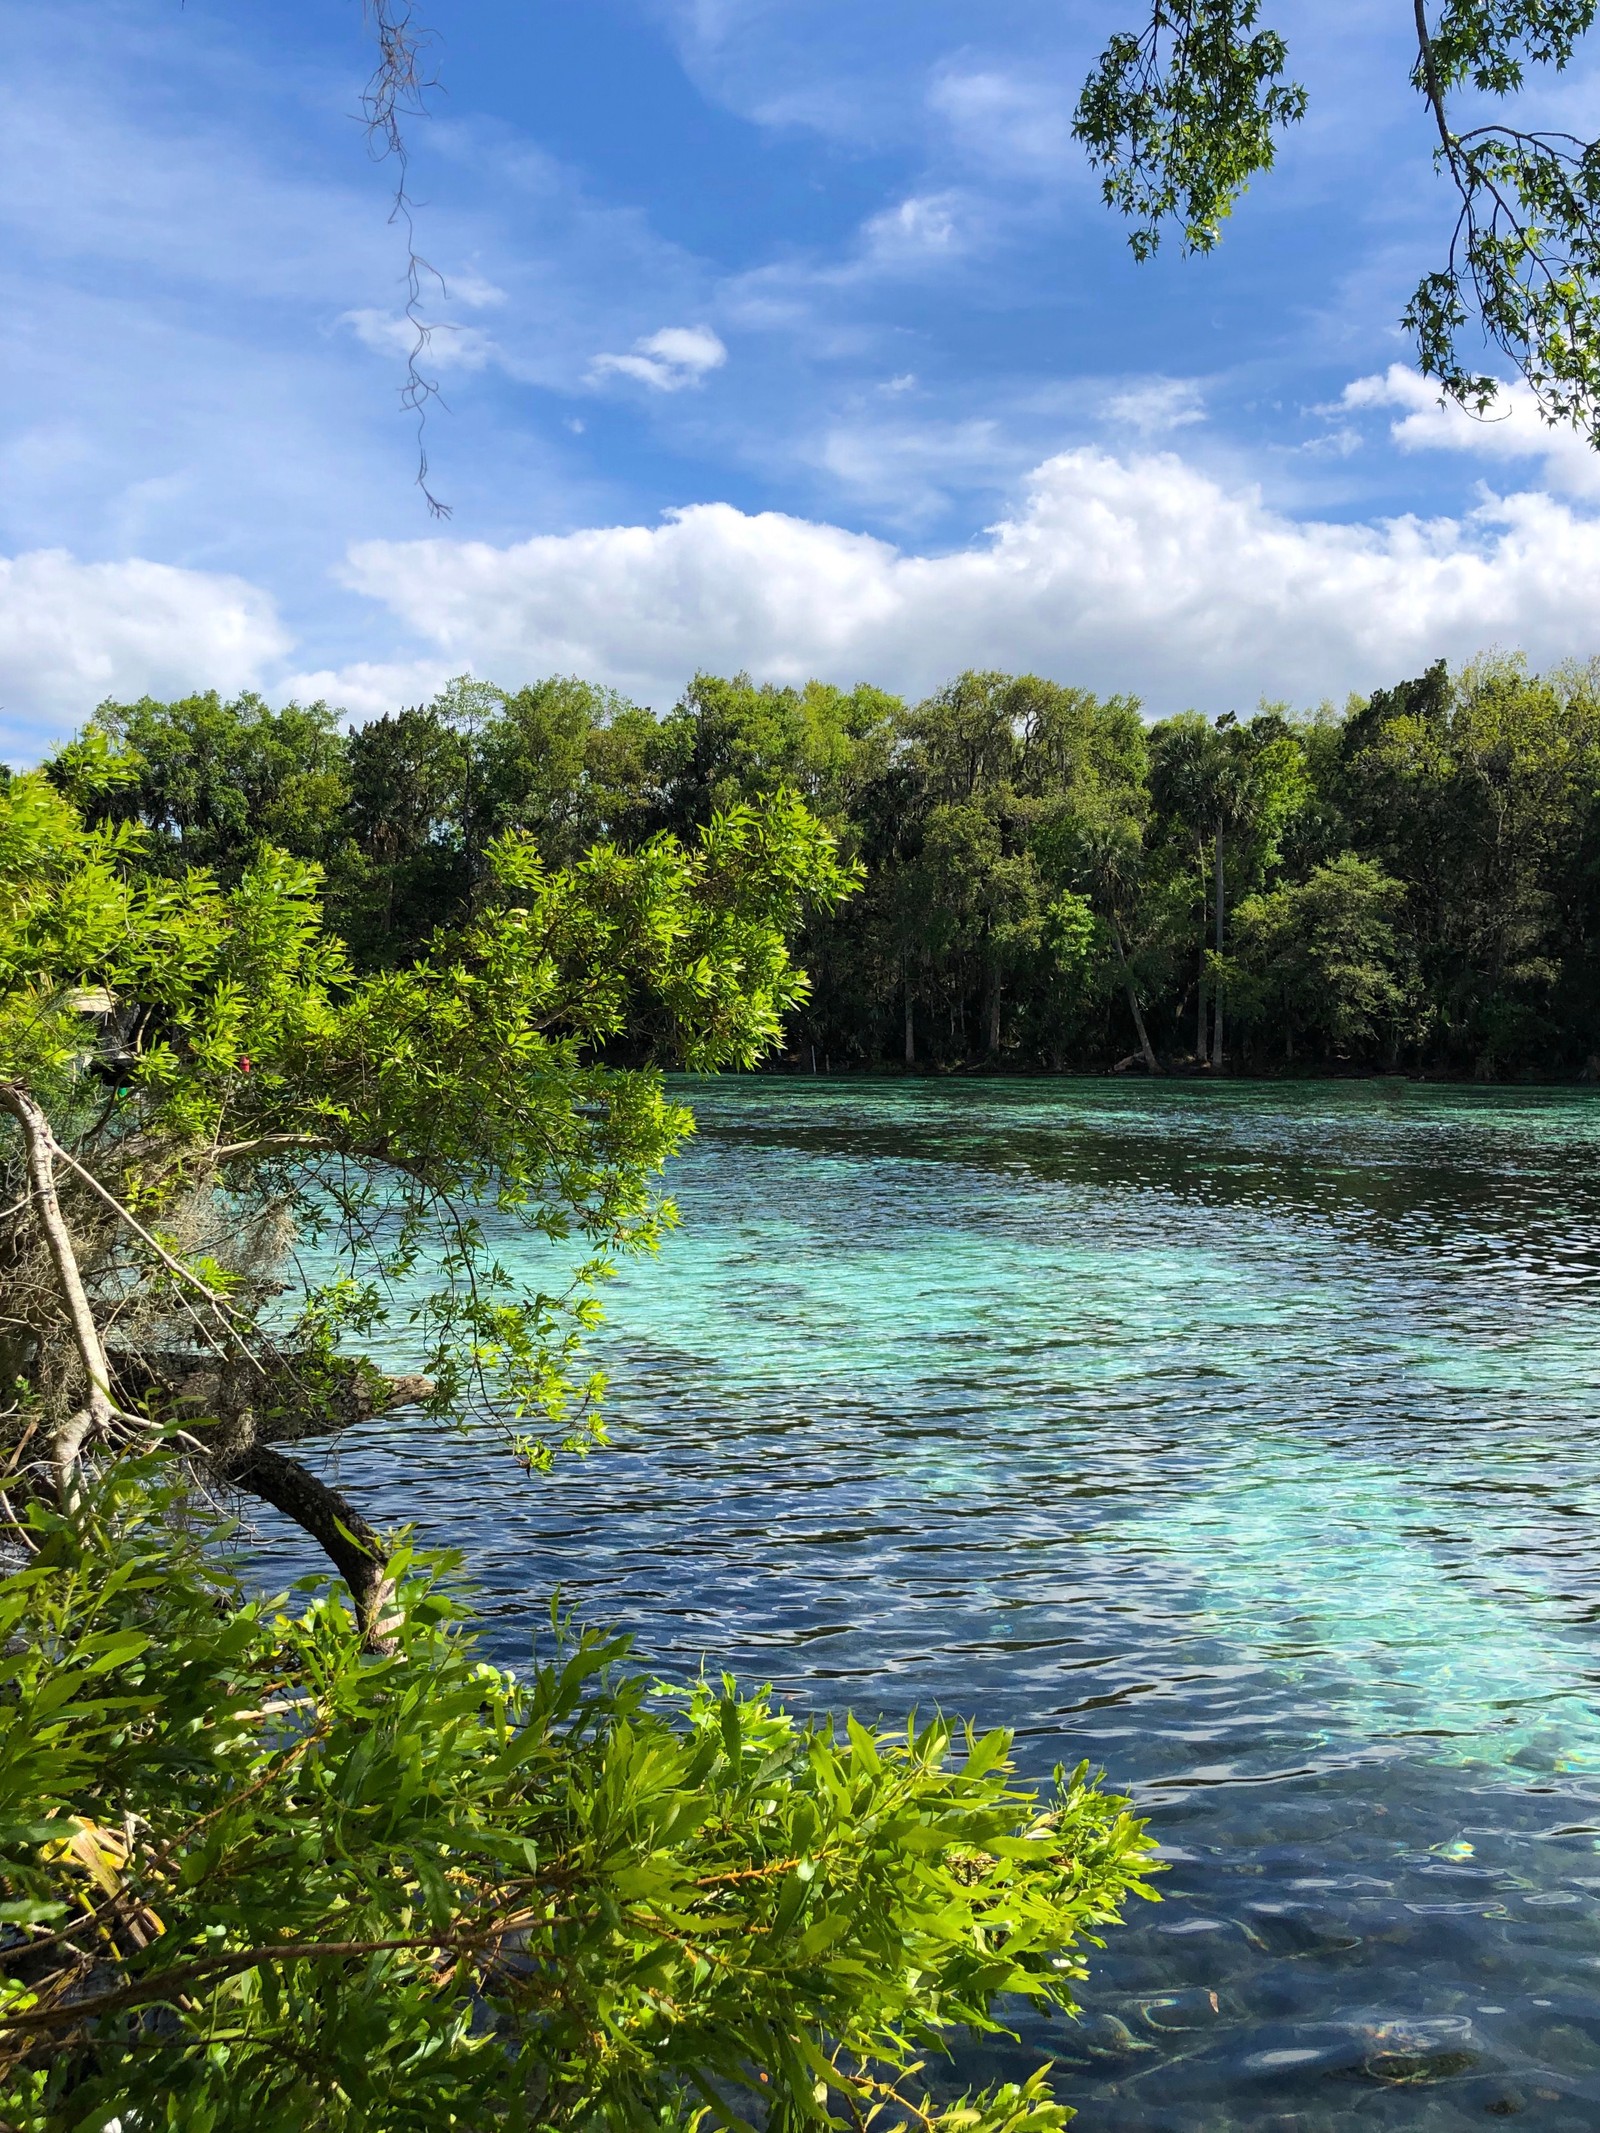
399 88
175 1266
41 1148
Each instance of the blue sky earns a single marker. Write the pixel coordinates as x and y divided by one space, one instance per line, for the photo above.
787 334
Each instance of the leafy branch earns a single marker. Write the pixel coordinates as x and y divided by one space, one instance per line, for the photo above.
1181 115
1526 241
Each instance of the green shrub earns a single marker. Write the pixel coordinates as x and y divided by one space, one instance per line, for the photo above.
256 1876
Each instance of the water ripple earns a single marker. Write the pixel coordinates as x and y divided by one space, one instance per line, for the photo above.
1239 1439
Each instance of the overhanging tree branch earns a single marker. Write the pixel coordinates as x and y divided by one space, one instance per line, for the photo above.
1181 114
355 1548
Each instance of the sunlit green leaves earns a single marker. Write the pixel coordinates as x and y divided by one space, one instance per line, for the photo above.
387 1117
596 1905
1490 43
1182 114
1524 268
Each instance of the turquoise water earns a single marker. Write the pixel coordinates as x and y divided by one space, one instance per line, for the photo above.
1242 1439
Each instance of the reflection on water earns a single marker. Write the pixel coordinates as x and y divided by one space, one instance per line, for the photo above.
1240 1439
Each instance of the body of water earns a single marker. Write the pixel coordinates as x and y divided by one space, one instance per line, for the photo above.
1242 1439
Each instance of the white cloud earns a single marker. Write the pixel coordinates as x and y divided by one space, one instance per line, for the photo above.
799 294
73 633
474 290
448 346
839 111
669 360
1154 405
924 226
1139 573
1513 430
1017 127
370 688
906 470
1337 443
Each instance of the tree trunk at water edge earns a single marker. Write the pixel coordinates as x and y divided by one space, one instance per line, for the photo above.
1216 1034
1200 1018
1200 1005
1145 1045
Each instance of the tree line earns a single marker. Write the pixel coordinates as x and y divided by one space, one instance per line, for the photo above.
1047 880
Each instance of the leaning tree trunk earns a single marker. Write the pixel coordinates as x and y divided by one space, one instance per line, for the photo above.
95 1416
357 1552
1216 1035
911 1028
994 1018
1145 1045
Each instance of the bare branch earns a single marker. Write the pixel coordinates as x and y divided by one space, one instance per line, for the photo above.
173 1266
355 1548
398 90
96 1414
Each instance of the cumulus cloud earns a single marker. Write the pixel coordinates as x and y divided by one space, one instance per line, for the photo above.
1156 404
370 688
73 633
1140 572
667 361
1512 430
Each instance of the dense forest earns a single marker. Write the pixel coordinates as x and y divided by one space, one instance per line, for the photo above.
1047 880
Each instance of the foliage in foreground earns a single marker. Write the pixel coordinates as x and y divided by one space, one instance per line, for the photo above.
232 1167
269 1871
255 1876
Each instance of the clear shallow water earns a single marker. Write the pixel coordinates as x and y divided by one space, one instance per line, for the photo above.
1241 1439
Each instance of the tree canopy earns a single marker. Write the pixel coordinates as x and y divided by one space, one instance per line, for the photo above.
247 1085
1048 881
